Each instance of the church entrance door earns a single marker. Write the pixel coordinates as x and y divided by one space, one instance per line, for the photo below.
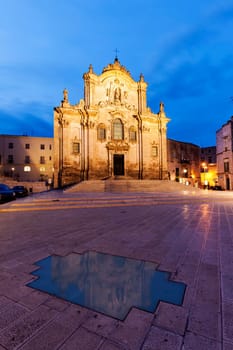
118 164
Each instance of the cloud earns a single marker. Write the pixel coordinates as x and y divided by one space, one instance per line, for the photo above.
209 37
25 122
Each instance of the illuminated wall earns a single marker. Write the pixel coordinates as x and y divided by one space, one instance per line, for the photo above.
26 158
110 132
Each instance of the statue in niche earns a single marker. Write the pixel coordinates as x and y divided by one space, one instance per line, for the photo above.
109 92
117 95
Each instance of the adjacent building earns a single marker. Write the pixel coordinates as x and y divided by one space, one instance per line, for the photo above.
208 167
26 158
208 155
224 151
110 132
183 162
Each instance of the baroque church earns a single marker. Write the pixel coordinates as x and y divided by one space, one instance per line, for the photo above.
111 132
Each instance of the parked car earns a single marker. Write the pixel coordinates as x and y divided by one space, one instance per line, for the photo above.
6 194
20 191
217 188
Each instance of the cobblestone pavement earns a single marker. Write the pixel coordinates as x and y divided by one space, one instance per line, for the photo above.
187 234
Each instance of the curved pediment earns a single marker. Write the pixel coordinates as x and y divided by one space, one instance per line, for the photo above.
116 66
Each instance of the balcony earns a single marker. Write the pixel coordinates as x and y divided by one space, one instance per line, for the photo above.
185 161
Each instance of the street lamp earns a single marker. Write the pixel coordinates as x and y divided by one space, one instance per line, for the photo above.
185 171
12 172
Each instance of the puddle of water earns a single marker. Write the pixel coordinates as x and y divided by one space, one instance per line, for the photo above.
108 284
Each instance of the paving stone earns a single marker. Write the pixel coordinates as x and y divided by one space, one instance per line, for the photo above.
4 301
186 273
82 339
228 320
10 311
109 345
195 243
205 321
193 341
211 257
171 317
58 330
14 290
188 297
227 286
34 299
101 324
133 330
208 293
25 327
162 340
227 346
56 303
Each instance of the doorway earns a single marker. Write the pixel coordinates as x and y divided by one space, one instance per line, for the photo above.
118 164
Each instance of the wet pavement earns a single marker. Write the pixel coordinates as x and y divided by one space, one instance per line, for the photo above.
186 234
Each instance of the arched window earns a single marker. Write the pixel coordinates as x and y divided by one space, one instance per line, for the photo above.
101 132
132 134
118 131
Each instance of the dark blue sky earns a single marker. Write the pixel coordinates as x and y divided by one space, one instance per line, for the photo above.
183 48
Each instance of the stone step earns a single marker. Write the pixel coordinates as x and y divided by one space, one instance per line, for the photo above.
88 186
129 186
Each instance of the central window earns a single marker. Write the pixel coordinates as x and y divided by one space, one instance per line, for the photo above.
76 147
118 131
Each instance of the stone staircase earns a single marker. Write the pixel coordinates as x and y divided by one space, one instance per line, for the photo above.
88 186
128 185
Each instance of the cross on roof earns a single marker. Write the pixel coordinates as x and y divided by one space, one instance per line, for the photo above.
116 51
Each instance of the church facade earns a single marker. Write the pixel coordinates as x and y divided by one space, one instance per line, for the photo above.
111 132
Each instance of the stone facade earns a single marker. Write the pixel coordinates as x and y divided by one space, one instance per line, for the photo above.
26 158
208 155
224 150
184 162
111 132
208 167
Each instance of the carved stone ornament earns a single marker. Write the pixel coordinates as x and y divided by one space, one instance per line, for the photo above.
91 124
117 146
62 121
116 66
145 129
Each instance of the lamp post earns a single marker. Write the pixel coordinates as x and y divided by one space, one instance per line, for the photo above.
12 172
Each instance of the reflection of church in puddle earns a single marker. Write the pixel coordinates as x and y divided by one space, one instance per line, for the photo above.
111 132
105 283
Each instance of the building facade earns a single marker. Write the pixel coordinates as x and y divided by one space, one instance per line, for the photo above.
110 132
224 151
208 167
208 155
183 162
25 158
